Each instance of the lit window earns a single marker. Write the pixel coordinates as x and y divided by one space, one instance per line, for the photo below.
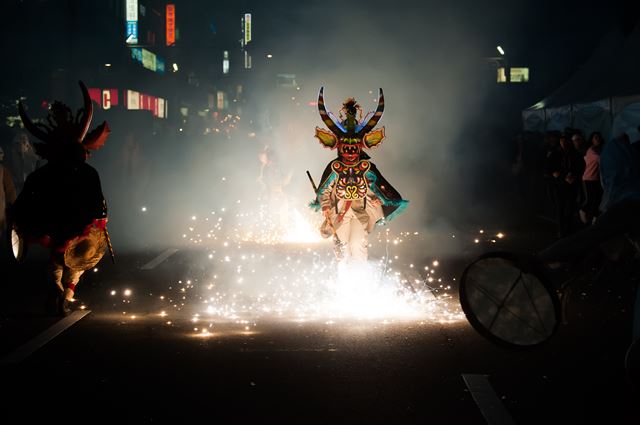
519 75
502 75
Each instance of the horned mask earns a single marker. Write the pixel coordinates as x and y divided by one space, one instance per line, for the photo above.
349 134
63 133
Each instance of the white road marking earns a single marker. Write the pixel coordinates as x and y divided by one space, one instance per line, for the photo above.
487 400
39 341
159 259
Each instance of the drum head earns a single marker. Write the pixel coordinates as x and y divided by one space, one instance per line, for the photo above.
17 245
508 301
84 252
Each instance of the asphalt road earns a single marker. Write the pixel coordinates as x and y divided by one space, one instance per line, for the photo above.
203 337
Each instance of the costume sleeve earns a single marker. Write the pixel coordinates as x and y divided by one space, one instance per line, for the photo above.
325 198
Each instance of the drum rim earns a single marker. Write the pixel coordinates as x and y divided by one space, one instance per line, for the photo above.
527 265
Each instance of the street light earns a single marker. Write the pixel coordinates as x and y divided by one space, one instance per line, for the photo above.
500 50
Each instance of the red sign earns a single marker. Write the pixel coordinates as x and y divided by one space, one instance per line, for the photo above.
171 24
96 95
105 98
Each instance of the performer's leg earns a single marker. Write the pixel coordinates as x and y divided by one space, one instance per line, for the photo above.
70 279
56 265
343 231
358 241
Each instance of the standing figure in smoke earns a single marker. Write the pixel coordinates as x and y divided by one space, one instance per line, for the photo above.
352 194
61 205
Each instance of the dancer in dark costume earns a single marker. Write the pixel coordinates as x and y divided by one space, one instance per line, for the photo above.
61 205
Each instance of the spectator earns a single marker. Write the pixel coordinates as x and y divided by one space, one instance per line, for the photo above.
591 186
567 173
578 142
7 192
620 175
21 159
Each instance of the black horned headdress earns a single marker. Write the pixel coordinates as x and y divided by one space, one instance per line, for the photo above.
350 130
63 133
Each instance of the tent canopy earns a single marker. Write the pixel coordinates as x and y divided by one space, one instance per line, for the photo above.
594 98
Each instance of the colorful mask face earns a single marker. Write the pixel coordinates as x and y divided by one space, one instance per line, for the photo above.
350 136
349 150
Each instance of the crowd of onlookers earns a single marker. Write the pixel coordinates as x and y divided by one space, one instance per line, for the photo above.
557 175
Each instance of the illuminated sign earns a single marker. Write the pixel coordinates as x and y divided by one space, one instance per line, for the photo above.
220 103
247 60
105 98
171 24
247 28
159 65
141 101
519 75
109 98
131 7
161 111
502 75
136 54
133 99
148 59
225 62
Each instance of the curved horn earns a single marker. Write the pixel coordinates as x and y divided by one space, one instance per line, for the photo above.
376 116
29 125
87 113
326 118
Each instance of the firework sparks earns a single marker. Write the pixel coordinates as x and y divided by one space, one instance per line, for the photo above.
268 269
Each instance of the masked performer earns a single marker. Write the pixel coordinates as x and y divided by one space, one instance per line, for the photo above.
352 194
61 205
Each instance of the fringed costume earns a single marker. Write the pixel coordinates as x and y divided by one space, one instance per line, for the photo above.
353 195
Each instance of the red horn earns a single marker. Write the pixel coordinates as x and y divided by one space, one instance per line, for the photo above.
87 113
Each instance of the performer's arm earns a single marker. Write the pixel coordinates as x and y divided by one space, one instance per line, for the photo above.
325 199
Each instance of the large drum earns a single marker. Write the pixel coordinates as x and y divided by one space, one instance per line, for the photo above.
16 243
508 300
84 252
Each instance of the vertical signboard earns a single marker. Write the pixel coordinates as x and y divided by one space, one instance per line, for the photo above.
225 62
131 10
247 28
161 108
133 99
171 24
502 75
220 100
148 60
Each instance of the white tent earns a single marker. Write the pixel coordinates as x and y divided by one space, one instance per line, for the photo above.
603 95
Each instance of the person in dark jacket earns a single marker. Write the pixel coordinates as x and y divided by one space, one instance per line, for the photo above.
61 205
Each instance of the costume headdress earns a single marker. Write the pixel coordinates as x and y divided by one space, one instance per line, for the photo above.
350 131
64 133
